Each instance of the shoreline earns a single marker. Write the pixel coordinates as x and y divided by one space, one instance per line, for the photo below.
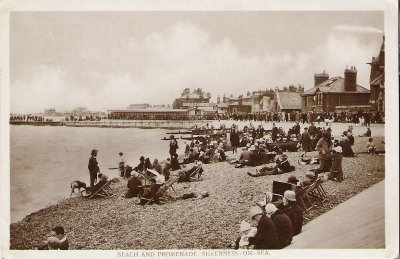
119 223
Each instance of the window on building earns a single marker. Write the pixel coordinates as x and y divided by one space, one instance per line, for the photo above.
306 101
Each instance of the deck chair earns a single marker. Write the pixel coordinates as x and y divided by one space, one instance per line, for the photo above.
312 195
196 175
279 188
163 191
103 191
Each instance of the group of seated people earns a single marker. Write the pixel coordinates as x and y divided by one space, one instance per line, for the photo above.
205 152
274 223
272 227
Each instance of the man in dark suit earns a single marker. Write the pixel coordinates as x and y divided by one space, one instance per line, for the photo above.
93 168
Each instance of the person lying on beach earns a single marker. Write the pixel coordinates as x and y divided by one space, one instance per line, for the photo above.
282 166
305 160
77 185
193 195
57 240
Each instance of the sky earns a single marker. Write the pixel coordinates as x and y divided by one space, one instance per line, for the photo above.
109 60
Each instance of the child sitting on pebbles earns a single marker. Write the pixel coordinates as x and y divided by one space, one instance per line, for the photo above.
247 231
371 147
57 240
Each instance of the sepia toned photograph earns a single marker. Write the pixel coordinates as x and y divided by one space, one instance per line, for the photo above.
244 132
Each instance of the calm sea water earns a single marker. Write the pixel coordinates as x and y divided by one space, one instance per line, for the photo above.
45 160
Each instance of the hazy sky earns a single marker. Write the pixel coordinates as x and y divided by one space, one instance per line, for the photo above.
108 60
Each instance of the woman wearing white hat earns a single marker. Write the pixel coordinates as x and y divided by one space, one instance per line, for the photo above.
336 171
293 210
134 185
283 224
266 236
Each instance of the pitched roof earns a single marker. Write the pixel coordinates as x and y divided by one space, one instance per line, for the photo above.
288 100
334 85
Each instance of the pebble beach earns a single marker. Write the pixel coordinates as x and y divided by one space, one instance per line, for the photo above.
209 223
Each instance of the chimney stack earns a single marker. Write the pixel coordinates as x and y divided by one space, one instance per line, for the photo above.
320 77
350 79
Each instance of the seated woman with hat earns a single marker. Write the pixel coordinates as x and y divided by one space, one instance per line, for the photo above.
336 170
266 236
134 186
294 211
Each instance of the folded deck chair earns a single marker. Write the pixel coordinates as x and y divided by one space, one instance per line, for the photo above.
103 191
312 194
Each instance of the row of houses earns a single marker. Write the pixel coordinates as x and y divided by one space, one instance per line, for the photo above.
328 94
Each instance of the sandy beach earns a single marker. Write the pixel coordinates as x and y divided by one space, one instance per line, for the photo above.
209 223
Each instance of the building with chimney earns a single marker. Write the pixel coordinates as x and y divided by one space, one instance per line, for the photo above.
287 99
262 101
336 92
377 80
193 99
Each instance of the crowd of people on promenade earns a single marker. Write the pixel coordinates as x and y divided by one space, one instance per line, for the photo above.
84 118
29 118
357 117
273 223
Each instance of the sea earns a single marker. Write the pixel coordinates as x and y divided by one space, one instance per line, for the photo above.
44 160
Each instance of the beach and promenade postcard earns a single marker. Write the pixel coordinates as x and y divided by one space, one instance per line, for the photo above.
199 129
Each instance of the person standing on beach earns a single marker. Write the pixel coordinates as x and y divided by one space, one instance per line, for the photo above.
173 146
121 164
93 168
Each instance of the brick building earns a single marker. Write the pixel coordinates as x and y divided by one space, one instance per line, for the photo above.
377 80
329 93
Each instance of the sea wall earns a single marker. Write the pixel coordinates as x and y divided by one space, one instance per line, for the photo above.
144 124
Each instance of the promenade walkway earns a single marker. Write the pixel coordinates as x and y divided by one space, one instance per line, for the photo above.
357 223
